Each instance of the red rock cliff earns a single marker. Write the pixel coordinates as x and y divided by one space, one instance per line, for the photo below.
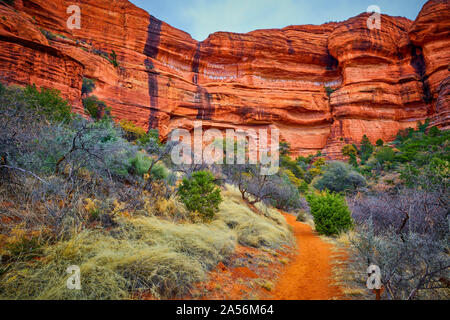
322 86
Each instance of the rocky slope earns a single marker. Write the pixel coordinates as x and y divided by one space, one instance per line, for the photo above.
322 86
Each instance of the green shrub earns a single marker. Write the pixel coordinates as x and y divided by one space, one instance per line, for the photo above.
88 86
48 102
200 194
418 148
141 164
132 131
48 34
365 150
305 162
340 177
380 143
353 161
285 148
94 107
113 58
303 188
385 154
285 193
430 176
288 163
330 212
159 172
152 135
329 91
434 132
349 150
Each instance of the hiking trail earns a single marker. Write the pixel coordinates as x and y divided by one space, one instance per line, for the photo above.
309 275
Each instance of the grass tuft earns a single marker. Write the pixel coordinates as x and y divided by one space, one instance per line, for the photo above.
268 229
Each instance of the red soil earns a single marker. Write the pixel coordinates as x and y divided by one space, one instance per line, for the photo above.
308 276
241 278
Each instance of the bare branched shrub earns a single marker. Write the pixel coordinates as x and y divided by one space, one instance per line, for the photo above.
254 187
405 233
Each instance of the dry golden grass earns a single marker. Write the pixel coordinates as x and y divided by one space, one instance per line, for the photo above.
268 229
351 282
144 255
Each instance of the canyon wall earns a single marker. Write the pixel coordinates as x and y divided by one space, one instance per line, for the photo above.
322 86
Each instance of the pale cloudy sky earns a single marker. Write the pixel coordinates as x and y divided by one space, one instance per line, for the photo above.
203 17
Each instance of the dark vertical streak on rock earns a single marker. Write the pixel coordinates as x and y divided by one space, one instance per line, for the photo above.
153 37
203 103
196 65
151 51
202 97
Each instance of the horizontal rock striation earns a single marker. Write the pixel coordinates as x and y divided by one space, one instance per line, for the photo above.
322 86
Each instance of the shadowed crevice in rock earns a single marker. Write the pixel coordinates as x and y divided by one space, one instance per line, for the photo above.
291 48
151 51
418 63
331 62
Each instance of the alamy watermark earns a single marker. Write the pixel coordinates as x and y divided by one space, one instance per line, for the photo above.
238 147
374 21
374 277
74 21
74 281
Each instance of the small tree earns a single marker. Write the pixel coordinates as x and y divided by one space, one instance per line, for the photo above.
200 194
351 152
95 108
353 160
348 150
330 212
366 149
380 143
88 86
329 91
285 148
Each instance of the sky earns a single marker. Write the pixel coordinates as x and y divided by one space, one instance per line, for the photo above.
203 17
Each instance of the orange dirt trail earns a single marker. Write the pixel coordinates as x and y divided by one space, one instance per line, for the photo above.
308 276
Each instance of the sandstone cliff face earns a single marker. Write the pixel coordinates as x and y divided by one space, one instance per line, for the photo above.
431 33
26 57
322 86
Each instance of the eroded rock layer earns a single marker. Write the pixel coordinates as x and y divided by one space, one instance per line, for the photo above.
322 86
